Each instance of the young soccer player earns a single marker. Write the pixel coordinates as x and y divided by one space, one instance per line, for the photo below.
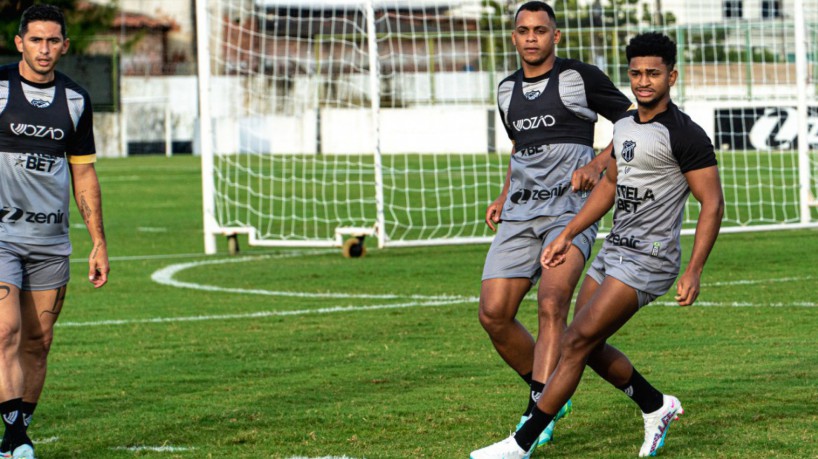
549 107
46 146
661 156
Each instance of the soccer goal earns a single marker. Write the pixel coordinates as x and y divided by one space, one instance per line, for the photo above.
325 120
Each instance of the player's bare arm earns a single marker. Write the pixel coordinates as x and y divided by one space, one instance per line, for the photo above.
495 209
598 204
585 178
89 202
705 186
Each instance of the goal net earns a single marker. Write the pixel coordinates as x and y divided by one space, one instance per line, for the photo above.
321 119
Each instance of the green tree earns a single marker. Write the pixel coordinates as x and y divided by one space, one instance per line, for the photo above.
84 20
597 32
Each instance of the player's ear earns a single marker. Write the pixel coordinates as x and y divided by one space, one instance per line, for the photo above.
673 75
18 41
65 44
557 36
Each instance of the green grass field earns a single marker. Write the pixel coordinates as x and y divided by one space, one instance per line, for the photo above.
302 353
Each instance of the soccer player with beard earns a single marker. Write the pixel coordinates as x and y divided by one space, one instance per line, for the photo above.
661 156
549 107
46 146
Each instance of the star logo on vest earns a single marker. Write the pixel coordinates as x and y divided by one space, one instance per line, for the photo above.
627 150
532 95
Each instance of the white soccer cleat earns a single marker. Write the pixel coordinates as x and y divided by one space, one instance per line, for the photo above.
506 449
657 425
23 452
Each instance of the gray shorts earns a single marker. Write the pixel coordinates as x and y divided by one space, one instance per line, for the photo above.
643 274
516 249
34 267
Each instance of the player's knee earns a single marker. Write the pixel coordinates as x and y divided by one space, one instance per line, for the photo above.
574 344
494 319
553 311
38 345
9 335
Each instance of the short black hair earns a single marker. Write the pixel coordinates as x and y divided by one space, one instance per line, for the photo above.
42 12
537 6
652 44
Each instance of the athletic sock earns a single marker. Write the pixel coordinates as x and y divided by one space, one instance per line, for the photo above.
27 409
532 428
640 391
15 434
534 395
527 377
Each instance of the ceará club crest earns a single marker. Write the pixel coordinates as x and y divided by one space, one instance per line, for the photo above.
627 150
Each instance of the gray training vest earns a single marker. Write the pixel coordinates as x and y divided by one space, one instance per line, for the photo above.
550 143
34 176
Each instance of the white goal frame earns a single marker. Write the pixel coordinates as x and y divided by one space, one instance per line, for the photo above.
379 226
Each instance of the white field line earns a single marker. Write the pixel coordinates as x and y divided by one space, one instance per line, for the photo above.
201 255
740 304
45 441
165 276
322 457
758 281
155 449
262 314
151 229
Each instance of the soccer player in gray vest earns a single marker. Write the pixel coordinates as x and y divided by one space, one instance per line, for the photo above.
548 107
660 157
46 146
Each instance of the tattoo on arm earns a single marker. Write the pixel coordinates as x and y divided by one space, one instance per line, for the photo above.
4 292
87 213
85 209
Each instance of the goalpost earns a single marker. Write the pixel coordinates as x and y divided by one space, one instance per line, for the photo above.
323 120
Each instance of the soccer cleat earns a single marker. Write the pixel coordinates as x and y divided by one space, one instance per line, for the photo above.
506 449
23 452
658 423
548 433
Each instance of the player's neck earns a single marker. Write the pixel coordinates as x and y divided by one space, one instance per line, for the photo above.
534 71
647 113
35 77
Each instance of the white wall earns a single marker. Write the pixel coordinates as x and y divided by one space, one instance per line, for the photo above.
438 129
